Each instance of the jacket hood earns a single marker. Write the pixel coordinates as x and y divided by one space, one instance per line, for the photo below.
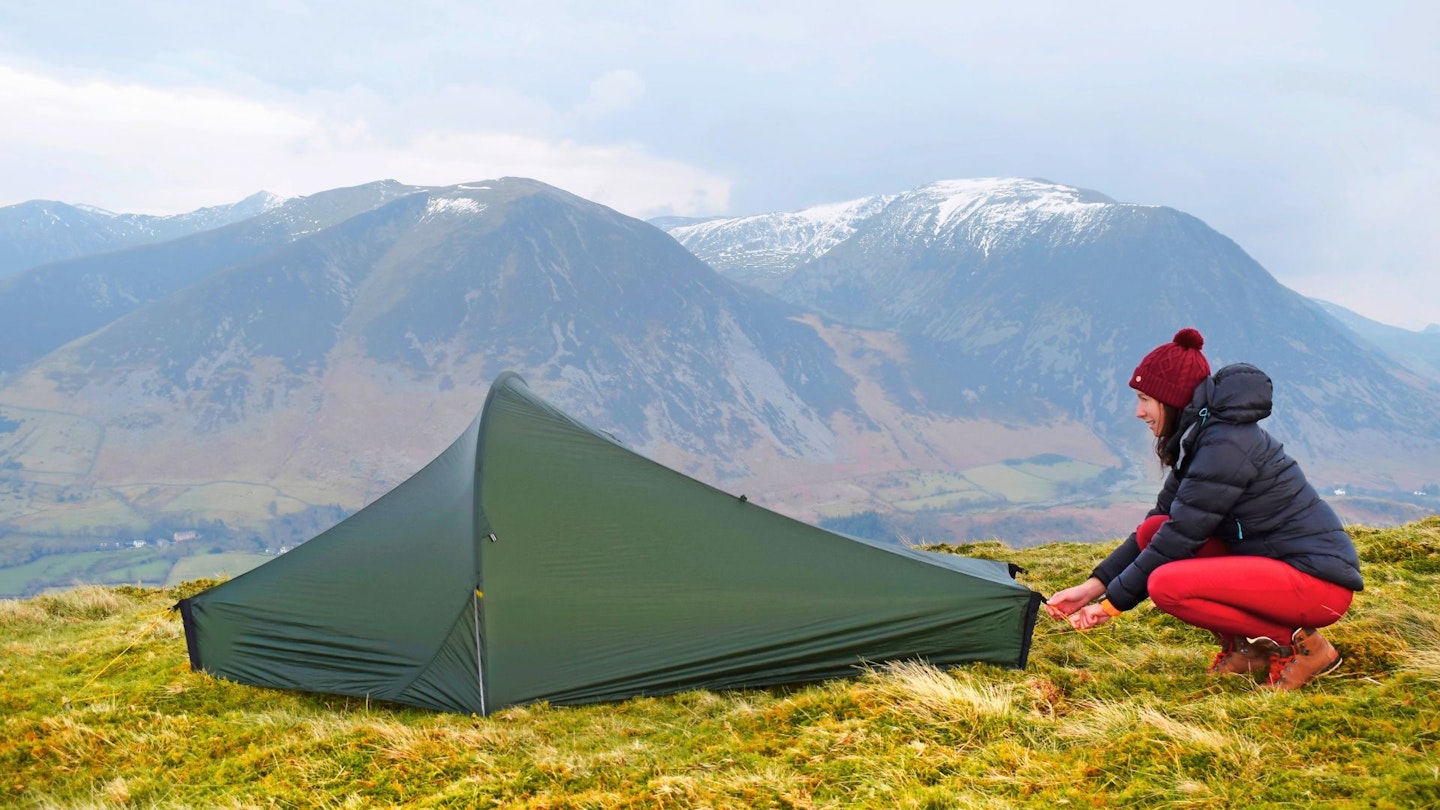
1239 394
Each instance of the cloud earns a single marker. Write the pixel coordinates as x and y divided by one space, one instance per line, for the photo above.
1307 134
135 147
615 91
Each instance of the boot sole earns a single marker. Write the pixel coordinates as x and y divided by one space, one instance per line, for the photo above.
1334 665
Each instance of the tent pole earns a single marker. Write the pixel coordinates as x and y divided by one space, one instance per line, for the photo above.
479 654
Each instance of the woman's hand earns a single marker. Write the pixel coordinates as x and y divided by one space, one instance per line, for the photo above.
1066 602
1088 617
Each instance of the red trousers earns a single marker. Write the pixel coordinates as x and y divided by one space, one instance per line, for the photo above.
1235 595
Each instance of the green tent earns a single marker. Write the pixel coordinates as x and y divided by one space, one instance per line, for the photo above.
538 559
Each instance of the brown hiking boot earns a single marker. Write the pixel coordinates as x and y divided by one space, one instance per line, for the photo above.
1246 656
1313 656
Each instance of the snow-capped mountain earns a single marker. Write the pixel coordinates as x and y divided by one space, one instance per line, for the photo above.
41 231
951 352
764 250
1032 295
372 321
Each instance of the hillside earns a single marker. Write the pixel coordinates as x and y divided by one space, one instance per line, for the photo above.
1417 351
950 364
1028 297
314 376
42 231
100 710
51 304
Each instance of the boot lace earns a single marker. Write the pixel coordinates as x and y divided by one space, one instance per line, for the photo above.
1279 665
1220 658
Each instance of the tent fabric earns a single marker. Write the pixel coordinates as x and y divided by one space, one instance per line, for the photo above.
538 559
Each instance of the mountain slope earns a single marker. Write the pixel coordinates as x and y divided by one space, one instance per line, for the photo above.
475 279
1417 351
373 341
47 306
1029 296
951 365
43 231
764 250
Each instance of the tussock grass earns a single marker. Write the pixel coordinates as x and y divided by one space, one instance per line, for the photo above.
936 696
14 612
99 710
1422 641
87 602
1161 727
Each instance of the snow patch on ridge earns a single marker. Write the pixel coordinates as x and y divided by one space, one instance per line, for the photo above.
763 249
459 206
807 233
1006 201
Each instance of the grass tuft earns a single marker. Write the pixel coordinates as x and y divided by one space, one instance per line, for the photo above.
936 696
16 612
87 602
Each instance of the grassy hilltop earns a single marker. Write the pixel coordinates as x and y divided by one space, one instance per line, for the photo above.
100 710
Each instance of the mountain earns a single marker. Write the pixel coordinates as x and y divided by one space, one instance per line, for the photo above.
472 280
945 363
1030 297
47 306
43 231
1417 351
764 250
326 368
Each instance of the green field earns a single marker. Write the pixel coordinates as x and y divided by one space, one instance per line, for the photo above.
94 512
148 566
1011 482
234 502
122 567
213 566
946 500
101 710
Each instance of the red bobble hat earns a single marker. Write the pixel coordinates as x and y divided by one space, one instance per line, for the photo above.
1171 372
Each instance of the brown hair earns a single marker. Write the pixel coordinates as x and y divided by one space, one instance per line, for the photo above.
1170 422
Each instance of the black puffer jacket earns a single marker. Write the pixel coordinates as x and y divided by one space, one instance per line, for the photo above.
1233 481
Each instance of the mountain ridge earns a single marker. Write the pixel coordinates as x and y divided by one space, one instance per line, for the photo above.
1025 288
438 291
947 369
39 232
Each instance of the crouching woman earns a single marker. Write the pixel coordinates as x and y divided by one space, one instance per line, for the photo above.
1239 543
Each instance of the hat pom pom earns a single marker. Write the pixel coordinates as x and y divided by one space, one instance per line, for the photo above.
1188 338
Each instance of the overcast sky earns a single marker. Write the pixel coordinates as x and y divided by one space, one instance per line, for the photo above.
1309 133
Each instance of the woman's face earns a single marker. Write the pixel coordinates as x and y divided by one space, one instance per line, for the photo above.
1151 412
